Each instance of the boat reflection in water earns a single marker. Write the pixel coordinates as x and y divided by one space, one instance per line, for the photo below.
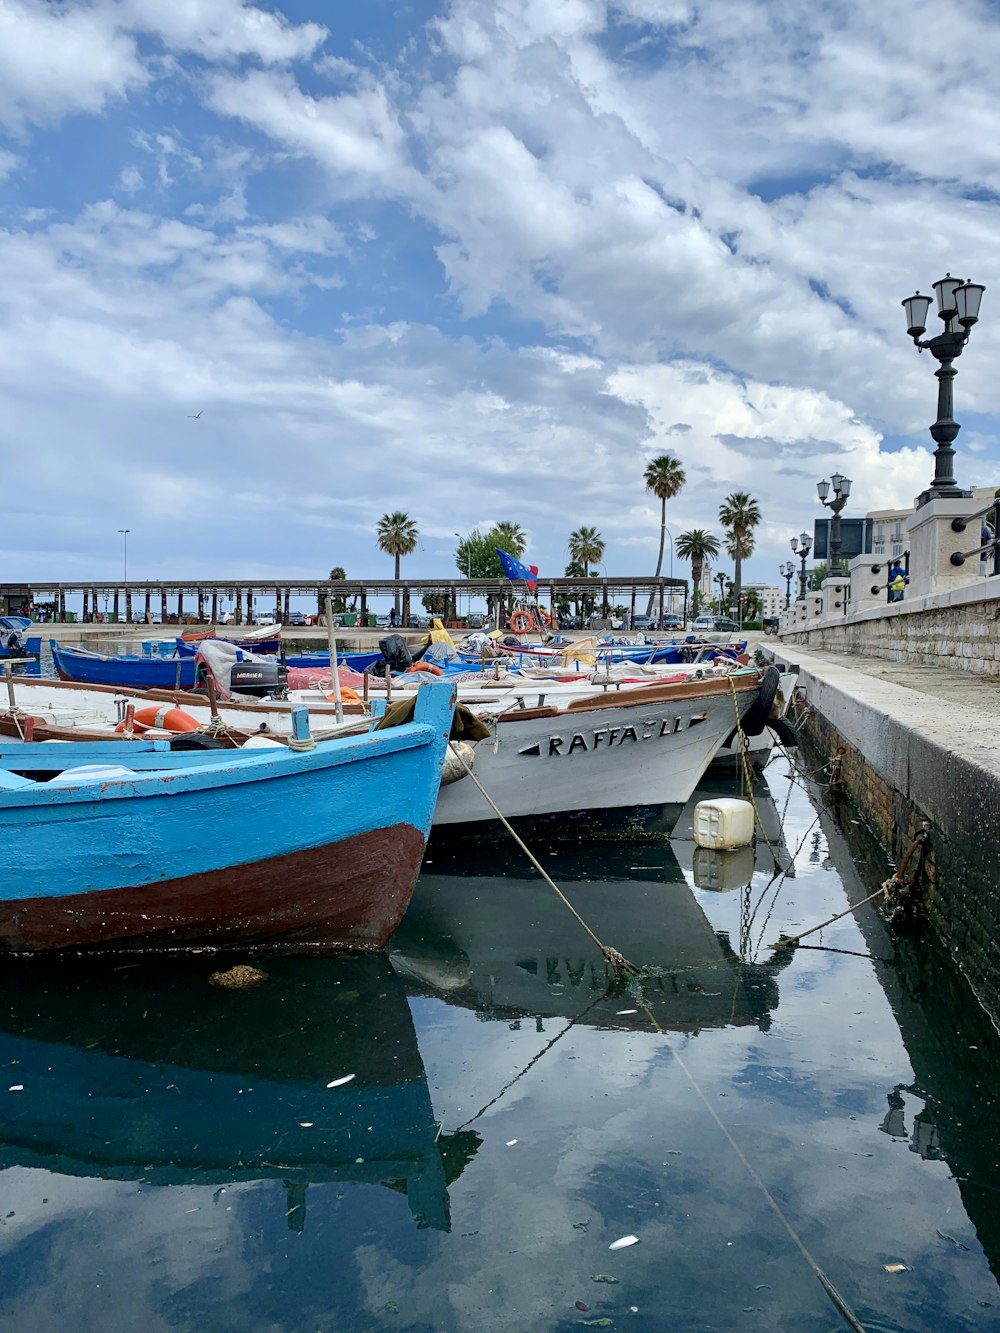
504 945
143 1071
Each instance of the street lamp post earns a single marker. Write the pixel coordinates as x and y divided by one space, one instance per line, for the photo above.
124 533
841 490
958 307
803 544
786 571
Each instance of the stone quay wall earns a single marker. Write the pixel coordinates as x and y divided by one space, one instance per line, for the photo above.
960 629
903 766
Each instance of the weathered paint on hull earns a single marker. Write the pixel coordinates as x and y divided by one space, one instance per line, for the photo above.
350 895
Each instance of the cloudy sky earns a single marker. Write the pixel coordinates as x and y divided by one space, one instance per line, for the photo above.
476 260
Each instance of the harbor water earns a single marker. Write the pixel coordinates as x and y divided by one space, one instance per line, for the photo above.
453 1136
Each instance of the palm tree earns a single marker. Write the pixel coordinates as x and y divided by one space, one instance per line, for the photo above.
586 547
739 514
664 476
397 536
510 537
698 546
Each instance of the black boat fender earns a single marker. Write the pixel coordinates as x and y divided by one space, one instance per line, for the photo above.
756 718
783 730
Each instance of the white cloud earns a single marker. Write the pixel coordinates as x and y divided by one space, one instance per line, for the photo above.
57 61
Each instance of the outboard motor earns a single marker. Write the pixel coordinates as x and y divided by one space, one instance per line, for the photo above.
12 643
395 655
257 678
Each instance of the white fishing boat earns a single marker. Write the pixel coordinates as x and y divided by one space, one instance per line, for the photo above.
625 760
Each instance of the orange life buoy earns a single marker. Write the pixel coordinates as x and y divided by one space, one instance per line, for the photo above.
545 618
164 718
521 622
426 666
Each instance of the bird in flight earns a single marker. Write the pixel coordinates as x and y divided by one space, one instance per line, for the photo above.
193 416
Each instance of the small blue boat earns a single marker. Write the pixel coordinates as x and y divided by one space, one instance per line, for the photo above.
136 673
311 847
353 661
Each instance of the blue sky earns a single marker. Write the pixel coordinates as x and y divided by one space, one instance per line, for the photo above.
477 260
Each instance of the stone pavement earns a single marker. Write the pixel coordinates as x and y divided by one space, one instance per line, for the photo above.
979 693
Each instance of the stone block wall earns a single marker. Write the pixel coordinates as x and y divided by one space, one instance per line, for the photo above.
964 636
899 778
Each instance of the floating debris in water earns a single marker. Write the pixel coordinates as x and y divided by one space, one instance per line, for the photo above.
944 1236
16 1087
581 1226
510 1143
240 977
602 1277
619 1012
339 1082
623 1242
582 1306
306 1124
895 1268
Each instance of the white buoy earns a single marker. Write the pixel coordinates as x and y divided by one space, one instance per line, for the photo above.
724 823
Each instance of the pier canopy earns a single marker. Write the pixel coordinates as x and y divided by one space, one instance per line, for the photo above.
202 599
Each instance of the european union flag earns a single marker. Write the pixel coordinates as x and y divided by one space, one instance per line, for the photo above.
516 572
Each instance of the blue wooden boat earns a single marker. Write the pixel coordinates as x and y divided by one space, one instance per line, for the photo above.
141 1074
353 661
136 673
318 847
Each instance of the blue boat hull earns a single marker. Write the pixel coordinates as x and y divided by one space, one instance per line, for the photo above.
353 661
318 848
136 673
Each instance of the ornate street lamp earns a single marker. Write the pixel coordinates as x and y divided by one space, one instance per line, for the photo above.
786 571
803 544
841 490
958 306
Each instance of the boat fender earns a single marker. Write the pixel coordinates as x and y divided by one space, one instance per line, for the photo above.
453 768
164 718
425 666
783 730
199 740
755 719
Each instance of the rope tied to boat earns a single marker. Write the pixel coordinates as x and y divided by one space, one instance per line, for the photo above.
617 960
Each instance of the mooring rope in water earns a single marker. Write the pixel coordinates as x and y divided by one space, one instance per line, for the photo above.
895 881
842 1306
617 960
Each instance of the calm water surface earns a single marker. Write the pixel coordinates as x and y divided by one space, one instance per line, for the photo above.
174 1158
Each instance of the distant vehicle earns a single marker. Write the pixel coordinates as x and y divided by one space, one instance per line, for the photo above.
715 625
420 622
476 620
296 617
225 618
644 622
600 622
570 622
382 622
673 622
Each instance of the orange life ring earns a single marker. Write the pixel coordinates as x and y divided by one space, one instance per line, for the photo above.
164 718
521 622
545 618
425 666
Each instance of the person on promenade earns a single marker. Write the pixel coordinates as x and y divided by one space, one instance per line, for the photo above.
392 618
897 582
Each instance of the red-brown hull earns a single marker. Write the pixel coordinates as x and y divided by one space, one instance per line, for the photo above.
348 896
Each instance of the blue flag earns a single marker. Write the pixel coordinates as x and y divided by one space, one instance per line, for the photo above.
516 572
